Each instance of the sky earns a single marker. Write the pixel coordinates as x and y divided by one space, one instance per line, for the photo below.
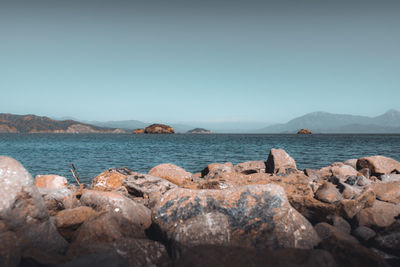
185 61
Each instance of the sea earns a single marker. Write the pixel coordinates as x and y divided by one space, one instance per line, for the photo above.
92 154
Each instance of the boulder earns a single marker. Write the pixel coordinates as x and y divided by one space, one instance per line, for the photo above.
249 216
58 199
67 221
249 167
326 230
112 259
208 255
351 162
138 131
172 173
23 210
137 214
389 192
343 170
142 185
10 250
381 214
51 181
350 207
341 224
328 193
216 170
108 180
159 129
379 165
279 161
364 233
390 178
304 131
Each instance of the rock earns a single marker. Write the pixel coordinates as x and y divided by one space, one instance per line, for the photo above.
10 251
389 240
348 191
216 170
318 174
58 199
108 180
350 207
351 162
51 181
390 178
328 193
137 214
142 185
326 230
249 167
67 221
138 131
379 165
172 173
249 216
381 214
304 131
389 192
343 170
37 257
279 161
341 224
112 259
207 255
23 210
159 129
364 233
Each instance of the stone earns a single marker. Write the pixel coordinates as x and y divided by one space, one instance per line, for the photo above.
279 161
351 162
318 174
343 170
51 181
112 259
349 192
10 250
23 210
364 233
248 216
304 131
208 255
172 173
328 193
350 207
138 131
249 167
390 178
379 165
142 185
159 129
68 221
108 180
36 257
216 170
364 172
381 214
326 230
389 191
58 199
341 224
137 214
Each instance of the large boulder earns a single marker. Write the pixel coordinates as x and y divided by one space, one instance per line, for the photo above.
379 165
279 161
250 216
217 170
249 167
389 192
351 207
109 180
159 129
328 193
143 185
10 251
51 181
59 199
137 214
171 172
381 214
23 210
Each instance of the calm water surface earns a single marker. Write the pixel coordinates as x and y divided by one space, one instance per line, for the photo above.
92 154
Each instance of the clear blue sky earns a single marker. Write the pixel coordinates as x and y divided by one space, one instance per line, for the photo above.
204 60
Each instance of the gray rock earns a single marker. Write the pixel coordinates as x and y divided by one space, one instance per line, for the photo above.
142 185
341 224
364 233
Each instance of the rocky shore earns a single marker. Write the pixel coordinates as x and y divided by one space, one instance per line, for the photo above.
256 213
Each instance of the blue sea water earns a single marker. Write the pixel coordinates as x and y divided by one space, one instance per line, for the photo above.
94 153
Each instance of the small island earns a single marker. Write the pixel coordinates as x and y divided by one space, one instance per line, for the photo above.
304 131
138 131
199 131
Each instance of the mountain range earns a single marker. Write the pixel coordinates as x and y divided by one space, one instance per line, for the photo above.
324 122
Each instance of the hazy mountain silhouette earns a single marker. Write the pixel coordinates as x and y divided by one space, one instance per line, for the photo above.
324 122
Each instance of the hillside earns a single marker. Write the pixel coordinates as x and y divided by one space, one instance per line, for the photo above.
10 123
324 122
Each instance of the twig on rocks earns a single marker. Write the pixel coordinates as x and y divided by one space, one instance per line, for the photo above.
75 174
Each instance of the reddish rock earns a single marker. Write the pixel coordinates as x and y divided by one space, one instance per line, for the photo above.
350 207
279 161
304 131
67 221
381 214
108 180
215 170
389 192
172 173
51 181
343 170
328 193
249 167
379 165
159 129
249 216
138 131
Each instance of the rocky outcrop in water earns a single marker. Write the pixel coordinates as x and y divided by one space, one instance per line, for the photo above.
138 131
304 131
159 129
265 213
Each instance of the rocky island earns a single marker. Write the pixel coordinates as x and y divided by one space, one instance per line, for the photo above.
10 123
199 131
304 131
159 129
257 213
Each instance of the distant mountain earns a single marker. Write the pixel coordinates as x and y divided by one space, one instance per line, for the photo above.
324 122
10 123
